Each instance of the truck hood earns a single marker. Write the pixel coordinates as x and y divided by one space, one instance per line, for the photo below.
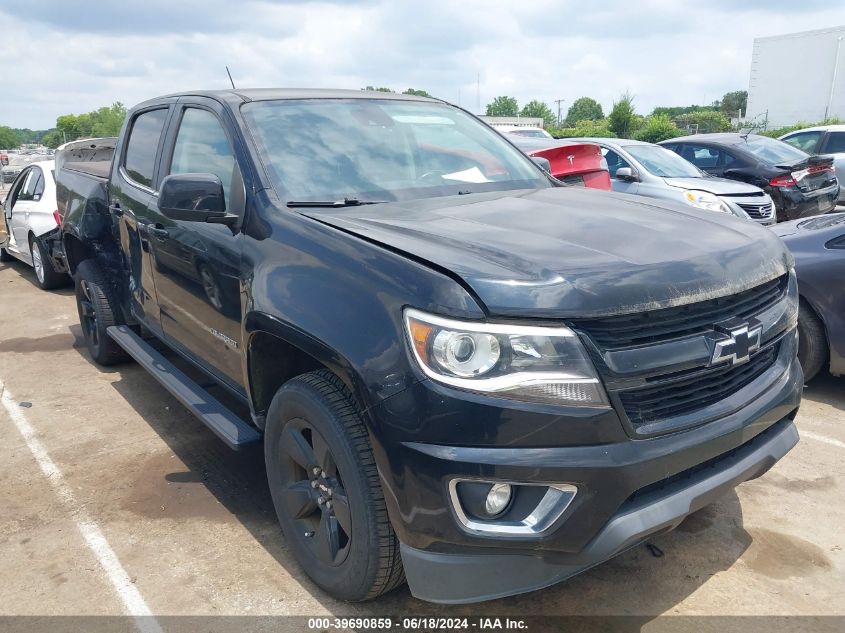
572 252
717 186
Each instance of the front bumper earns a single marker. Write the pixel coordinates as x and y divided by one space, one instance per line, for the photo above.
628 489
460 578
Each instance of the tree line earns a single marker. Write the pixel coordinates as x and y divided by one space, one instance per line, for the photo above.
105 121
586 118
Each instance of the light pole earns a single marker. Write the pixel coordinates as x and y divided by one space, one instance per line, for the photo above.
558 102
833 79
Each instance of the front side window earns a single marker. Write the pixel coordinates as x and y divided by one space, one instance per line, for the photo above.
203 148
382 150
142 147
614 161
805 141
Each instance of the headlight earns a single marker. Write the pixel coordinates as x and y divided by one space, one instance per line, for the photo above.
528 363
704 200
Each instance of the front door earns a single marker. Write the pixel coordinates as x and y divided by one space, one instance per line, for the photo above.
131 192
197 265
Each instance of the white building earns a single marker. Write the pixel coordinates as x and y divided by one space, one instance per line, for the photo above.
797 77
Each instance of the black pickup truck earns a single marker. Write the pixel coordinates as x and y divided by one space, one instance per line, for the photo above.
463 373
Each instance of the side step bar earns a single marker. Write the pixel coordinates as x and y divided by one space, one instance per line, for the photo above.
226 425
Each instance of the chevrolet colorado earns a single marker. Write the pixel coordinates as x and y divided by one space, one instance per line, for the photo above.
463 373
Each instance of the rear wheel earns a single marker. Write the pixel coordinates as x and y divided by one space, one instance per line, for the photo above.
326 489
47 278
812 342
97 307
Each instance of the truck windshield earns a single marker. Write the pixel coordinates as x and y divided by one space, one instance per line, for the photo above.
385 150
662 162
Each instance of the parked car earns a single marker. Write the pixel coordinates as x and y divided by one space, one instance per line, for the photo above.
823 139
526 132
800 185
459 368
646 169
575 163
29 213
818 245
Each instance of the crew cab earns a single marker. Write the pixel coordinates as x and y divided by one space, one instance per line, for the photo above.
463 372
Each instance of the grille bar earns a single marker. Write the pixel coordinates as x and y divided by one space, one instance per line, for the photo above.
758 211
671 398
669 323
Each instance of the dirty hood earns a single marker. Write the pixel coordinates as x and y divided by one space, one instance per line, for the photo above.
572 252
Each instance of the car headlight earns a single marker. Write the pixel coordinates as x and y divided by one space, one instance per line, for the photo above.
704 200
520 362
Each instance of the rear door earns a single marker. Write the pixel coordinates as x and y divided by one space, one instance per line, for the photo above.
197 271
131 190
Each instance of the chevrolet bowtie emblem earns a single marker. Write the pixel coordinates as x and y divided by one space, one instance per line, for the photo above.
743 340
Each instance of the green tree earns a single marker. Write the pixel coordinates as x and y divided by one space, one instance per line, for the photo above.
703 121
622 119
503 106
416 93
583 109
674 111
734 102
657 128
52 139
380 89
540 110
105 121
9 139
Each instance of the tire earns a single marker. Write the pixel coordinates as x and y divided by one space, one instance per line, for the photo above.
97 307
45 276
313 424
4 256
812 342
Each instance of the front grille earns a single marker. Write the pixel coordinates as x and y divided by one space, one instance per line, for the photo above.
695 318
674 397
758 211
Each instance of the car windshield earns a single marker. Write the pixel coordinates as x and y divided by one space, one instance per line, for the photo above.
662 162
382 150
774 151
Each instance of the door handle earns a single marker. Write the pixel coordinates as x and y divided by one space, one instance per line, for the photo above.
158 232
115 209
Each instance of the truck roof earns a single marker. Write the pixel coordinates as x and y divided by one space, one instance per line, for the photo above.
273 94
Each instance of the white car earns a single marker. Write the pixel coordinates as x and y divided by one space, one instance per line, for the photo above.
29 212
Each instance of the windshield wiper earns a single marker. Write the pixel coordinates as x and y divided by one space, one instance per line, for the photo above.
346 202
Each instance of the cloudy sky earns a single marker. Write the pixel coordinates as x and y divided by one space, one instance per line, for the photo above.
64 56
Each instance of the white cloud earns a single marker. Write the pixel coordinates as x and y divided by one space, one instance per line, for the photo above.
62 59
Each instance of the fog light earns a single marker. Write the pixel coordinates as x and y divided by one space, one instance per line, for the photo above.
497 499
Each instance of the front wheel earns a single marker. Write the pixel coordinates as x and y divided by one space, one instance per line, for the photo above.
326 489
98 310
812 342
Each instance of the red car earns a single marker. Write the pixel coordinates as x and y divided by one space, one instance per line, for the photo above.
573 162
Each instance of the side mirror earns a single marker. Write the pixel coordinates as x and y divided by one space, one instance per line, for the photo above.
194 198
626 173
542 163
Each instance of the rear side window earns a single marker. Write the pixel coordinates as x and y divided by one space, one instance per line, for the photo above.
835 143
702 157
33 185
143 145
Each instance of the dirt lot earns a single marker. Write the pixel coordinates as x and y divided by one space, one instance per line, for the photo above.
115 499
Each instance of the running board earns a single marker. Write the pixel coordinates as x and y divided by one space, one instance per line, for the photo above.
226 425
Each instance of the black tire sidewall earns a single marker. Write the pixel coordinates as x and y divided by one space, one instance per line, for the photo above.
352 579
52 279
812 343
105 351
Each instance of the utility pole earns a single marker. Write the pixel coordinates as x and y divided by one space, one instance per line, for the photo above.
558 102
833 79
